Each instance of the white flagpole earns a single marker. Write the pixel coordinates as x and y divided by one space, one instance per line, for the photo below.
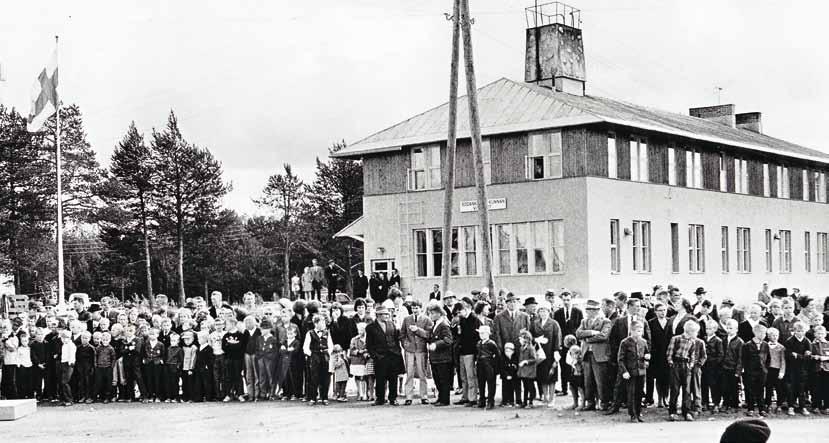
61 299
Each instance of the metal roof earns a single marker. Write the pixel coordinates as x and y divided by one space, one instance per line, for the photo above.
510 106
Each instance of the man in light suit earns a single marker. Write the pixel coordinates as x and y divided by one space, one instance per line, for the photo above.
414 333
569 318
593 333
509 323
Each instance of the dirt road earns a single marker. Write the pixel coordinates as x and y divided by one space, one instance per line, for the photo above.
280 421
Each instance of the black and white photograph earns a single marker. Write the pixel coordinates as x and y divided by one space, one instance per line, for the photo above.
414 221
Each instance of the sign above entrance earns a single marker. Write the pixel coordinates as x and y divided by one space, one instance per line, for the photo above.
492 204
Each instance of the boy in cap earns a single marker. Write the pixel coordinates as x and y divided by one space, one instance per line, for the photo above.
510 386
267 350
488 361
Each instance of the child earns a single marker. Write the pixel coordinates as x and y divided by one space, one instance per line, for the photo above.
188 366
119 379
85 367
798 359
575 360
39 353
292 384
681 358
96 339
732 366
633 358
488 361
526 367
204 367
267 348
154 366
172 368
232 345
755 367
777 370
25 388
316 348
820 352
218 368
339 371
67 365
710 383
9 381
283 361
132 355
357 357
104 360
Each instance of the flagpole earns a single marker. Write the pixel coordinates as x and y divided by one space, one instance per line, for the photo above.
61 299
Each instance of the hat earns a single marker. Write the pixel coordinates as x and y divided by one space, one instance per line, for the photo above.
95 307
190 305
727 302
780 293
700 290
637 295
381 310
449 294
475 292
509 345
266 324
511 297
530 301
591 305
746 431
804 300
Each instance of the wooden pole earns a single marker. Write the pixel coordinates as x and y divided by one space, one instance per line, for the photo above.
449 176
61 287
475 129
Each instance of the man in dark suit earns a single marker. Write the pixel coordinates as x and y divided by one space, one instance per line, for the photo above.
331 278
619 332
701 295
593 333
440 353
568 318
658 372
360 285
435 294
383 344
509 323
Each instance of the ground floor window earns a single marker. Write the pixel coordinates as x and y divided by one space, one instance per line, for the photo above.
529 248
822 252
641 246
743 250
696 248
463 251
615 266
785 251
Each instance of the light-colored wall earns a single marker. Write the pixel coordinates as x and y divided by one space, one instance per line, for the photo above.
663 205
563 199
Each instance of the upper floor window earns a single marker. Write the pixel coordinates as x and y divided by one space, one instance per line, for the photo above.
805 185
766 183
425 172
486 157
672 166
740 176
693 169
544 159
820 187
723 175
612 157
638 159
783 189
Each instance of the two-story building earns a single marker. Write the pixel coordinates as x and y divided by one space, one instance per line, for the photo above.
595 194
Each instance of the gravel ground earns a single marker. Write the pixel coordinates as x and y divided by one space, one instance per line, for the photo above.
294 421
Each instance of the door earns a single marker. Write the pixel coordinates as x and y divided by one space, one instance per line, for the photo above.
383 267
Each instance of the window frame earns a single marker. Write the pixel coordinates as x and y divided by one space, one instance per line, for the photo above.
724 250
429 153
642 260
766 181
740 175
806 187
672 166
785 251
768 240
612 156
546 157
807 251
615 252
822 255
639 153
553 252
675 265
696 249
743 250
693 169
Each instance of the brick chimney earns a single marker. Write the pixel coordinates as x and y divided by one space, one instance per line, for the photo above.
555 51
723 114
750 121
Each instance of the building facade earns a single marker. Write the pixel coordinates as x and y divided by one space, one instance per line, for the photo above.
595 195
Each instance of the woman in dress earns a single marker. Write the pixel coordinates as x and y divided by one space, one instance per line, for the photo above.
547 335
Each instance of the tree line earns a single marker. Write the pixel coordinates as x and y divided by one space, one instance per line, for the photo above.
153 221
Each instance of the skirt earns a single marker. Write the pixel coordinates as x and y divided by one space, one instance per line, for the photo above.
358 370
369 366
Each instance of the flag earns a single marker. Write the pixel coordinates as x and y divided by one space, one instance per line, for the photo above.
44 94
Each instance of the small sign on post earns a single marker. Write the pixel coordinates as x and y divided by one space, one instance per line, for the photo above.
492 204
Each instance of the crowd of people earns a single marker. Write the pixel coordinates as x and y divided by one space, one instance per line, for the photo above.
641 350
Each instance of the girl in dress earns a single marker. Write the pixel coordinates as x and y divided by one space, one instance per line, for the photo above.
358 357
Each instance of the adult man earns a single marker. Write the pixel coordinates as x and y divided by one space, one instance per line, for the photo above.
78 306
215 303
440 353
331 280
701 296
658 373
248 307
449 301
509 322
435 294
383 345
569 318
416 330
683 315
468 335
593 333
530 305
317 278
785 322
736 314
609 309
94 317
360 285
621 299
764 295
394 279
618 332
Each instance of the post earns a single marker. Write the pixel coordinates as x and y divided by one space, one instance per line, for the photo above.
475 129
449 176
61 288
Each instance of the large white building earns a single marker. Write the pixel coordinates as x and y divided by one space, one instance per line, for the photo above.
595 194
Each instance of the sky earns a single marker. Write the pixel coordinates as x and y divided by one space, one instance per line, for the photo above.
262 83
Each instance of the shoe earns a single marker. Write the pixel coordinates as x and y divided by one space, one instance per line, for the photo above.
633 419
470 404
106 402
461 402
590 407
805 412
394 403
673 417
481 405
312 403
439 404
689 417
530 405
67 403
639 419
408 403
561 394
378 403
343 400
241 399
324 402
226 399
490 406
790 412
88 401
613 410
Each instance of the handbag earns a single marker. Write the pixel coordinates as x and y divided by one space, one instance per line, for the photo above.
540 356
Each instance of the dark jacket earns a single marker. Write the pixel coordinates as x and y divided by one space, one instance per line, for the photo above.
745 330
619 332
505 328
469 337
631 356
733 355
342 331
660 338
756 358
569 326
441 337
509 367
488 353
379 344
796 360
713 351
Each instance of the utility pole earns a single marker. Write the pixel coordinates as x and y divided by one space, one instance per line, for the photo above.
451 141
475 129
